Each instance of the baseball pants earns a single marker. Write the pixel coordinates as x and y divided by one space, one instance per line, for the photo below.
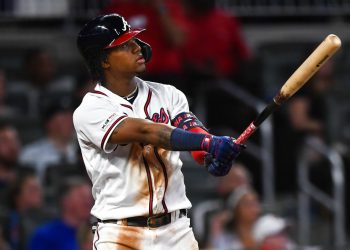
176 235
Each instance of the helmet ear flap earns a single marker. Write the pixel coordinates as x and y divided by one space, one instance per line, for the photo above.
146 49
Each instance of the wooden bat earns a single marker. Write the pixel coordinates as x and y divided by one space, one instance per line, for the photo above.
305 71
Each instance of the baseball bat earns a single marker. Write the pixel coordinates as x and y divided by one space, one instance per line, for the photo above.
300 76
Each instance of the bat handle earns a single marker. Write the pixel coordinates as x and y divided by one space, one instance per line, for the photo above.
247 133
269 109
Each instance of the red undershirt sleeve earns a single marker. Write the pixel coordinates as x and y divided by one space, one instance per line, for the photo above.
198 156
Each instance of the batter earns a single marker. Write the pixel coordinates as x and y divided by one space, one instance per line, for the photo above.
130 132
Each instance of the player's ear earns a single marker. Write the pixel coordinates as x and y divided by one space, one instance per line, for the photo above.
105 64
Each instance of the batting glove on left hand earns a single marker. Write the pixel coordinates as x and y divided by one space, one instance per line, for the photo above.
215 167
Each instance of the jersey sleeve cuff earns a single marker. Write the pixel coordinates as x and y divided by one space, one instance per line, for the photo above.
104 142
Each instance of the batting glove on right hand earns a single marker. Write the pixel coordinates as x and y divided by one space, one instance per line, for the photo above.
214 167
222 153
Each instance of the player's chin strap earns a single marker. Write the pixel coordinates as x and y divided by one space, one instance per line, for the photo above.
146 49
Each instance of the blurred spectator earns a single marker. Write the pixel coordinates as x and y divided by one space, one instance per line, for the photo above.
165 24
305 118
271 233
26 210
307 111
62 233
237 177
5 109
40 84
58 146
9 151
85 237
215 53
215 47
232 228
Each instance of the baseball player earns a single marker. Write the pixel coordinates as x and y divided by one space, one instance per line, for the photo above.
130 132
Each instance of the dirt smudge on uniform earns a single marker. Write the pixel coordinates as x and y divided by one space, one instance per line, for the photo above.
148 153
164 155
138 170
129 238
155 167
154 164
135 155
159 181
194 246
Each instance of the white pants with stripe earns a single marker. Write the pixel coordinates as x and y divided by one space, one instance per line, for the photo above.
176 235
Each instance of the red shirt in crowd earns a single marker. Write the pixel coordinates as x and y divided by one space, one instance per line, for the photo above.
215 41
166 57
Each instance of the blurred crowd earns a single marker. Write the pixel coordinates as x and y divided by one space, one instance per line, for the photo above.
44 189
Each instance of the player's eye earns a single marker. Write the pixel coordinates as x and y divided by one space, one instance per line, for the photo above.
124 46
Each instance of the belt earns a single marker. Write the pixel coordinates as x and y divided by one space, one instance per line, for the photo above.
151 222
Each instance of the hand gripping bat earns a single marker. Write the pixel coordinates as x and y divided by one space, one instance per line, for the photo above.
300 76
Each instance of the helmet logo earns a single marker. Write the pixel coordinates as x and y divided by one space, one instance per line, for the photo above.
125 25
124 28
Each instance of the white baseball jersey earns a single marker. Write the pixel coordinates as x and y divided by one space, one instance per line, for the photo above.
130 180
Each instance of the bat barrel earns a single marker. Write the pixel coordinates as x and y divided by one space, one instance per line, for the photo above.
333 40
309 67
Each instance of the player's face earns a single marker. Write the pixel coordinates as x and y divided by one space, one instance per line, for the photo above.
125 59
